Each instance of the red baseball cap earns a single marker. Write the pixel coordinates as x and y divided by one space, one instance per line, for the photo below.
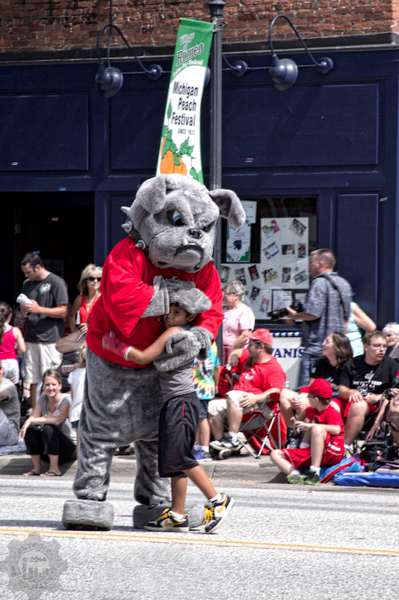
321 388
262 335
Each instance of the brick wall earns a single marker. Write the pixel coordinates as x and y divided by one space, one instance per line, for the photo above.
42 25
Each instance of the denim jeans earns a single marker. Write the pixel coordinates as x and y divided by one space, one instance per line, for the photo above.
307 363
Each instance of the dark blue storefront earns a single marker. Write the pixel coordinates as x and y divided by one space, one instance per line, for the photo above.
69 159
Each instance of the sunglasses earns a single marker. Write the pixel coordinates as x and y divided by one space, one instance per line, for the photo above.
93 279
256 343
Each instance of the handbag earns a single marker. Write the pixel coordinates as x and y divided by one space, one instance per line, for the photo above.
73 342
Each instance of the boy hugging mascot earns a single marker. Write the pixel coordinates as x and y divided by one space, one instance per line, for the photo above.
166 258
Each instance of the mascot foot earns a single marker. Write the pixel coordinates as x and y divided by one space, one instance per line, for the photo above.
143 514
88 515
195 515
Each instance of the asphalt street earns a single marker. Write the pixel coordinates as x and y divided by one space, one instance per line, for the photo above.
280 542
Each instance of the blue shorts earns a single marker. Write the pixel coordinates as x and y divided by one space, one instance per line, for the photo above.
203 412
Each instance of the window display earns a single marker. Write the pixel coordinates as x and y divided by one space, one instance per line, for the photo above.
269 253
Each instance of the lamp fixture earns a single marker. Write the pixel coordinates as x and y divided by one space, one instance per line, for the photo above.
109 79
283 71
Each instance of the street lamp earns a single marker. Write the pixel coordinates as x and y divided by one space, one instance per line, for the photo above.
283 71
109 79
216 9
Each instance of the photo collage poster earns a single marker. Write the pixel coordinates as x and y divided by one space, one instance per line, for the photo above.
238 242
283 265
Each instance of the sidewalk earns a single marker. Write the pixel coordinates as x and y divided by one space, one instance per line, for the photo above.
241 470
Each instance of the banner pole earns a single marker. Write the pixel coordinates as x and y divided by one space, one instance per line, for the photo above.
216 8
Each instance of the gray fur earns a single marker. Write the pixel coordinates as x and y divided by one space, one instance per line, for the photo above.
230 206
86 514
112 395
176 217
159 304
182 347
193 300
174 291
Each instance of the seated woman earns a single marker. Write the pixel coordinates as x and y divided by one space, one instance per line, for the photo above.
47 432
337 351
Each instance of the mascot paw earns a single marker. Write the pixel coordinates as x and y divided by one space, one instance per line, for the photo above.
88 515
203 338
180 348
192 300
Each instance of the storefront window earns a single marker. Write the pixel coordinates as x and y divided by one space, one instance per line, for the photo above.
269 253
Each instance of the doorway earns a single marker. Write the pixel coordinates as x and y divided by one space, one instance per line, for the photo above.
58 225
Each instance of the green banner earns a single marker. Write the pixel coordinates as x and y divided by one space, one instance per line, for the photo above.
180 149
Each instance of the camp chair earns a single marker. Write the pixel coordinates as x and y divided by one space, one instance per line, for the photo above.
263 433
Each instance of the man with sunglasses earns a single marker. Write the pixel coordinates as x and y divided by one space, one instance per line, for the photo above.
261 381
44 305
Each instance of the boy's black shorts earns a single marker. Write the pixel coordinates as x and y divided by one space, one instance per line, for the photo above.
178 424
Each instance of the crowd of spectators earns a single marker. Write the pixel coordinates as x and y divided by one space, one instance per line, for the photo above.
347 368
51 404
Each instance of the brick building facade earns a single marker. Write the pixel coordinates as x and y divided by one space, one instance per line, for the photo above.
43 25
325 151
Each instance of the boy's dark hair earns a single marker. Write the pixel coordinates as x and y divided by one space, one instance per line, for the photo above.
32 258
189 315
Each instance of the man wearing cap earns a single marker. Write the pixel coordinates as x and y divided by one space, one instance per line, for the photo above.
261 381
323 440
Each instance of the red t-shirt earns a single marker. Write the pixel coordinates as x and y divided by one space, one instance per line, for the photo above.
260 377
126 292
328 416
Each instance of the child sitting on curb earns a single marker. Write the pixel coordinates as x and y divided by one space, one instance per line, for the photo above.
177 430
323 440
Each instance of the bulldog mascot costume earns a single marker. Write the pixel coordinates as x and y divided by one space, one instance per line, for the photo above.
167 257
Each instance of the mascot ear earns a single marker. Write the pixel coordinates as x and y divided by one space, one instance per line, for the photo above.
230 206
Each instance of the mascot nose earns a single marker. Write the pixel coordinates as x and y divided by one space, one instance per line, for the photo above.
195 233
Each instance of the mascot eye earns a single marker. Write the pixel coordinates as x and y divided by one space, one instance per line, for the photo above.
176 218
207 228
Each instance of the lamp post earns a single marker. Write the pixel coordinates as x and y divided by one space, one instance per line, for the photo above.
216 8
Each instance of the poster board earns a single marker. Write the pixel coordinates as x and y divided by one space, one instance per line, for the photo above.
282 273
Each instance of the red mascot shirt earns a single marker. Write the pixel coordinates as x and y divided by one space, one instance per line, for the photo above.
126 292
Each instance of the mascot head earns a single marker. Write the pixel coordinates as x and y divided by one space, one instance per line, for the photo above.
175 217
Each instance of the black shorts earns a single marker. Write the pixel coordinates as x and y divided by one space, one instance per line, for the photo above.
178 423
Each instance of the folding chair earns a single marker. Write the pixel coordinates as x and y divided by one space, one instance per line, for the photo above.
264 434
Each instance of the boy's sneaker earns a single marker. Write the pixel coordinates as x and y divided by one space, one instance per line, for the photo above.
295 478
225 442
216 511
312 478
207 456
198 454
167 522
